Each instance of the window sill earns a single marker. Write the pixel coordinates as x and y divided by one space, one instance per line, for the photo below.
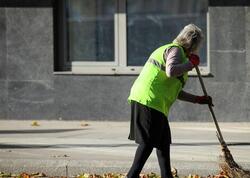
107 70
204 72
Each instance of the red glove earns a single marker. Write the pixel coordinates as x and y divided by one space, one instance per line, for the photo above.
204 100
194 59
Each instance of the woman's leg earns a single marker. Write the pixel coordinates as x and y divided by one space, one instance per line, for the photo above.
163 156
142 153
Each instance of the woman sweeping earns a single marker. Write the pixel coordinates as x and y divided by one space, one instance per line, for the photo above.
159 84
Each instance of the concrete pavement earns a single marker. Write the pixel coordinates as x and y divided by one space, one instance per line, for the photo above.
72 147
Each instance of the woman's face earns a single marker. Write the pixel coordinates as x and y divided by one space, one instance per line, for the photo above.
196 51
188 52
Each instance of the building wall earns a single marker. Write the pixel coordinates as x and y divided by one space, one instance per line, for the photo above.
27 63
30 90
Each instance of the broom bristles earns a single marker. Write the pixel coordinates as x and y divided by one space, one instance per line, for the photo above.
230 167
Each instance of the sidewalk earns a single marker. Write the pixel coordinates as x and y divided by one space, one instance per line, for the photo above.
103 147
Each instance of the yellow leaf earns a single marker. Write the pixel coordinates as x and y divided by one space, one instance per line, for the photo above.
35 123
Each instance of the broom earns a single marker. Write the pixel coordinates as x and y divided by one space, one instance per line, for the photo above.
226 161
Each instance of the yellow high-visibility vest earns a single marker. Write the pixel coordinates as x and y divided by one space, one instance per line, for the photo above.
153 87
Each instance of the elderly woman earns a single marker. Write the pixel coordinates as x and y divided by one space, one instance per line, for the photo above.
159 84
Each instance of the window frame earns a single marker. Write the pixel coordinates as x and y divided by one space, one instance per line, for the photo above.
119 65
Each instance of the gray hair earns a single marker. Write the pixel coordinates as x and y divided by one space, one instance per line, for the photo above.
190 37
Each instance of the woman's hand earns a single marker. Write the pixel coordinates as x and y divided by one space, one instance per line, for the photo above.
194 59
204 100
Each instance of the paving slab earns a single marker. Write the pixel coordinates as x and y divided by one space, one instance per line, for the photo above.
72 147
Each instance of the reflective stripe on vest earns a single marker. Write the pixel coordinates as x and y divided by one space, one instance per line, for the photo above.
157 64
163 68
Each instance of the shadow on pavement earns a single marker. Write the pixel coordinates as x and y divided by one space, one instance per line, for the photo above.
39 146
37 131
32 146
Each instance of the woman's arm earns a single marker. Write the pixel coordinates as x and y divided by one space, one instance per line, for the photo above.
174 66
184 96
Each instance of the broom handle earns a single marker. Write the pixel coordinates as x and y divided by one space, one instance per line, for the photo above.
219 135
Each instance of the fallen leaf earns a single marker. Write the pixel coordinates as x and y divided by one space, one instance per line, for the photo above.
35 123
84 124
25 175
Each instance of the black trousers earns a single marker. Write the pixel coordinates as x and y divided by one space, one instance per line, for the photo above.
143 152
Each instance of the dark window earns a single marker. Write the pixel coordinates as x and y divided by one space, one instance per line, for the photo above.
26 3
87 30
152 23
90 25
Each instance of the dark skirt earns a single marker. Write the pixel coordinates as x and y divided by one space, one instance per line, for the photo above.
149 126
